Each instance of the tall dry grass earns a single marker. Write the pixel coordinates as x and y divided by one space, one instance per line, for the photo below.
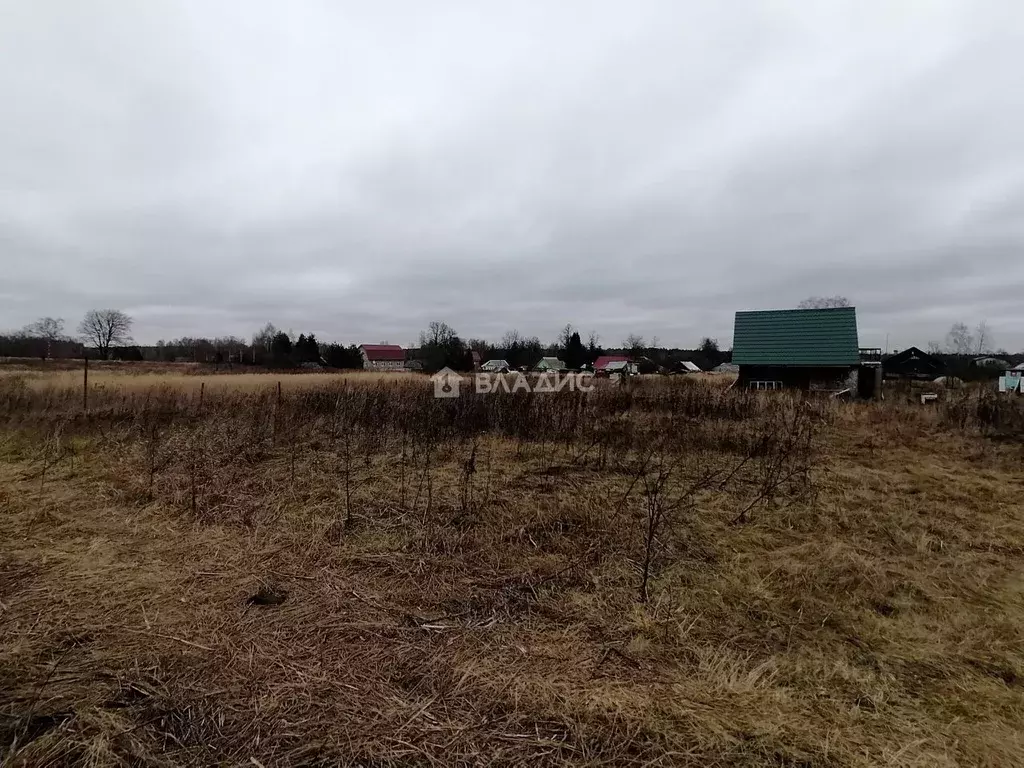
121 381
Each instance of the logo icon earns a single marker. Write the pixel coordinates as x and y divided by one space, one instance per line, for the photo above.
446 383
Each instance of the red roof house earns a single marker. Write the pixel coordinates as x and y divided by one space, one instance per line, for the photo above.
603 360
382 357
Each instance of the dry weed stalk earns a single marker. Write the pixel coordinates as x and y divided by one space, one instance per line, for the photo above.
783 454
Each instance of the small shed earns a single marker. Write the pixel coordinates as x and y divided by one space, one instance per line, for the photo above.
1011 384
809 349
1013 380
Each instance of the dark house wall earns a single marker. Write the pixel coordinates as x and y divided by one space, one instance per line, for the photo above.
795 377
913 364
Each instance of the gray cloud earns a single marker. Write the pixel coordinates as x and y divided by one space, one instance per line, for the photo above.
358 171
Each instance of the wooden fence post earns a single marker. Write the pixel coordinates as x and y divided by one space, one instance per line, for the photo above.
277 413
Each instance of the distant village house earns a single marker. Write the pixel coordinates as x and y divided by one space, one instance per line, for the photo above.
605 360
549 364
496 366
913 364
617 368
382 357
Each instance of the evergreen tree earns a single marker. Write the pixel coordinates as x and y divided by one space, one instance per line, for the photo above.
281 350
575 354
340 356
710 353
593 350
306 349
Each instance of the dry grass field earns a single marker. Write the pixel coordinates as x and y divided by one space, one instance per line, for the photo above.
144 377
664 573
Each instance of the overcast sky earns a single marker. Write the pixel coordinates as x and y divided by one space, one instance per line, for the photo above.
359 169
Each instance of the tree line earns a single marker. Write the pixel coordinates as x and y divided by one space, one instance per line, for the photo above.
106 334
276 348
102 329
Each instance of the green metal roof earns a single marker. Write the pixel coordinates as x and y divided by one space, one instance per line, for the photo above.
550 364
796 337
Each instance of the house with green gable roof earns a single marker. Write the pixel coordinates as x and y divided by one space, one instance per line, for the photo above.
808 349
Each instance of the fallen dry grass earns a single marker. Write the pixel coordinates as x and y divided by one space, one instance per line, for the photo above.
365 576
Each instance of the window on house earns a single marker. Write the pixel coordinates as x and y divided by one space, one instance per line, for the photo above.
766 385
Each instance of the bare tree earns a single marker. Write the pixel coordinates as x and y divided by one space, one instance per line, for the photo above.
437 335
104 328
823 302
959 340
532 350
511 339
982 338
634 343
264 336
49 328
565 334
934 348
479 345
262 341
